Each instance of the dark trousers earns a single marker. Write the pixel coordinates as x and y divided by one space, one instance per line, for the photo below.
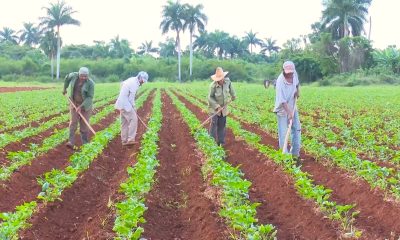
218 129
83 128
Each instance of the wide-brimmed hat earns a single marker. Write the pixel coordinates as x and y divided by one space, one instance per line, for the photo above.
219 74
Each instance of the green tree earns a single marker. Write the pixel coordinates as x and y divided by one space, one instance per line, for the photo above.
147 48
251 39
58 14
167 49
100 49
8 35
30 35
388 58
236 48
48 43
218 42
269 45
194 19
120 48
354 53
342 17
173 15
202 44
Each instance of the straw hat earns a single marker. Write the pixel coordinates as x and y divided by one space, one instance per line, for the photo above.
219 74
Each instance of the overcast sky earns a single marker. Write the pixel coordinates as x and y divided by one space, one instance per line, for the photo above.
139 21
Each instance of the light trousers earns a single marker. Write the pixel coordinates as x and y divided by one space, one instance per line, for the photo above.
129 125
295 133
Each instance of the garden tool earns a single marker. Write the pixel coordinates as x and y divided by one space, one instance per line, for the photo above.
80 114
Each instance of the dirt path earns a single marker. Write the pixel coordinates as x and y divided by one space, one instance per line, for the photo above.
84 213
18 89
294 217
177 205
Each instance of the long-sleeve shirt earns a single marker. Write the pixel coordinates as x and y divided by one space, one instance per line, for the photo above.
285 93
126 98
219 96
87 89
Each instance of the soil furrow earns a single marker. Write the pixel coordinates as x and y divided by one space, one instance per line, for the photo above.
84 211
177 204
294 217
23 186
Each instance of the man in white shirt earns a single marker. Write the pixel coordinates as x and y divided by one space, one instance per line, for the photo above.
126 105
287 89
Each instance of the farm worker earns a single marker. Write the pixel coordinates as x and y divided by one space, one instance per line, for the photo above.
220 93
82 92
126 105
287 89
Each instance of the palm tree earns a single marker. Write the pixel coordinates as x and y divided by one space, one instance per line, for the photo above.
30 35
100 49
236 47
202 43
269 46
8 35
218 41
252 40
147 48
120 48
194 18
58 14
339 16
48 43
173 16
167 48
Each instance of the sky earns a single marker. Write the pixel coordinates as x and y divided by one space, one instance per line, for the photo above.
139 21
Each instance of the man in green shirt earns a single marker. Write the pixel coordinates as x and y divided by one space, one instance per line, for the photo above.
82 92
220 94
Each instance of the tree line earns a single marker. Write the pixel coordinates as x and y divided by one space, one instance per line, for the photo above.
337 45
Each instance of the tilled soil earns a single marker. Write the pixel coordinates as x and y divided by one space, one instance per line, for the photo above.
17 89
84 211
25 143
294 217
177 204
377 218
22 185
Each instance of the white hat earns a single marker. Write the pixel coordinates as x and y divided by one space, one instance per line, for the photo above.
143 75
288 67
83 70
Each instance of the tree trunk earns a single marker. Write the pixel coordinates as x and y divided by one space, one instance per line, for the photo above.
370 26
178 42
191 55
345 30
58 52
52 65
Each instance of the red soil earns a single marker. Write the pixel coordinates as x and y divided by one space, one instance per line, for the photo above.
18 89
177 205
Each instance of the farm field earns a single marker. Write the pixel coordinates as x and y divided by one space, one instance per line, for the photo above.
176 183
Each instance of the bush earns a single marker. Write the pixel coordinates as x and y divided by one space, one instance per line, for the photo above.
371 76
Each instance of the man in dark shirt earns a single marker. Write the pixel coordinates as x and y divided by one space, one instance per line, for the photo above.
82 92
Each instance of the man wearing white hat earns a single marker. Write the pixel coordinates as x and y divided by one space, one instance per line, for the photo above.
82 92
287 90
126 105
221 90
